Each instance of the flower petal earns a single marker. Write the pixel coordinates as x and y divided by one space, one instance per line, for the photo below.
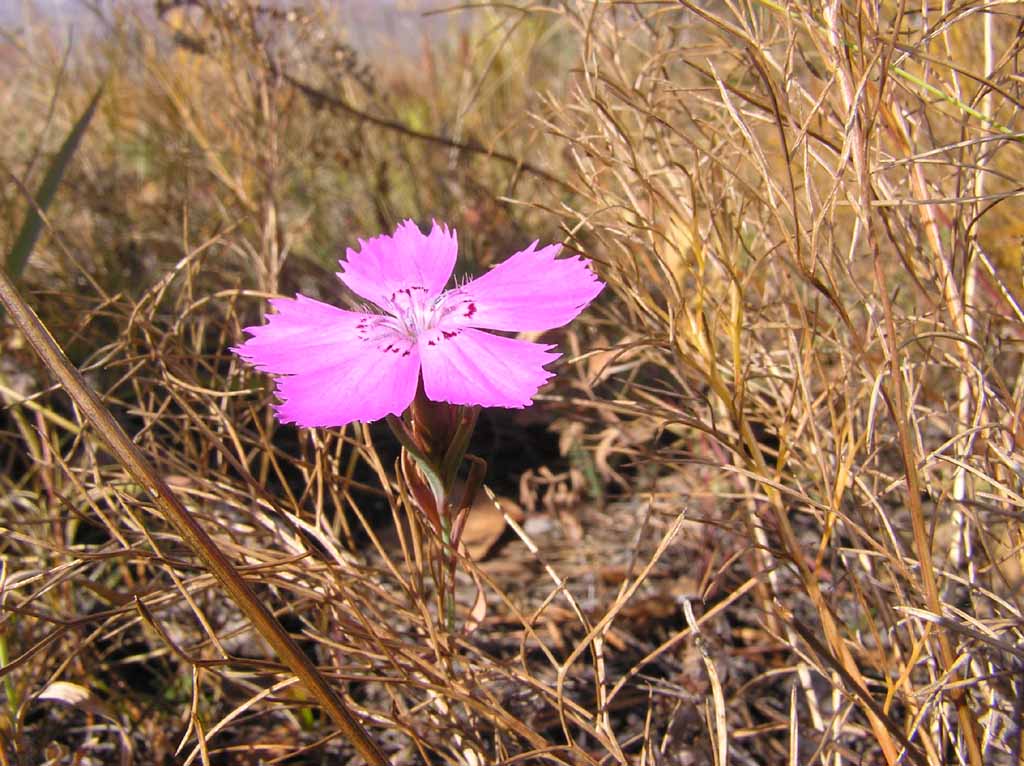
467 366
407 259
375 387
529 291
335 366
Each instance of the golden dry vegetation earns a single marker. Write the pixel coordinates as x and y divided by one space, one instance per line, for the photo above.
770 510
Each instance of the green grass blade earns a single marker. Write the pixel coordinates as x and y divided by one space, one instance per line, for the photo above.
33 225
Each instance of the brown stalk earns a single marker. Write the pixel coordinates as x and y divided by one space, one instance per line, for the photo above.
322 98
135 462
894 396
896 401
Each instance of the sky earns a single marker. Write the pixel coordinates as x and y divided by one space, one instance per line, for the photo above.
376 20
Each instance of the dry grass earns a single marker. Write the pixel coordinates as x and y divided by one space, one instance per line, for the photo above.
772 506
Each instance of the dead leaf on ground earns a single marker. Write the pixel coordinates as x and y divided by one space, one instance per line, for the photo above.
78 696
486 523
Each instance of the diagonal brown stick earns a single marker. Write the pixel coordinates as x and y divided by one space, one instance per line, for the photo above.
135 462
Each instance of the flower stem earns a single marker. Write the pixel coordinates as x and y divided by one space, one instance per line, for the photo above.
435 437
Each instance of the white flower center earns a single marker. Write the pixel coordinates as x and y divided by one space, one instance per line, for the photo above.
413 312
413 316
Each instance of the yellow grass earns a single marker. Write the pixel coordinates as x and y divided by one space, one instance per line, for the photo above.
772 502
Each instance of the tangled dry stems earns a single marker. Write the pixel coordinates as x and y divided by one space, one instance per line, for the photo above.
784 520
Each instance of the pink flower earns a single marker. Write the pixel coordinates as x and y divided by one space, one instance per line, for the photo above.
336 366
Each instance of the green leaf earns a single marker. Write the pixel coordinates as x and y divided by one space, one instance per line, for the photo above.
427 468
33 225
